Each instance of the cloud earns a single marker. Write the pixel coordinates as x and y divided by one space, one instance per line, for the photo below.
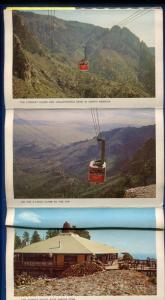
30 217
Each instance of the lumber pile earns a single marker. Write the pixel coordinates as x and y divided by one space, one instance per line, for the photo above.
83 269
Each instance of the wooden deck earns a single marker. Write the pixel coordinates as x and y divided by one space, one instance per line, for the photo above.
147 267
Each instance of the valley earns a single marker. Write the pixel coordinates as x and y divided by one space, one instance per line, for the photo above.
43 170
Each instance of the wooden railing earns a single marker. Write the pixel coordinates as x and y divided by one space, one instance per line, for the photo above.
139 265
40 263
35 263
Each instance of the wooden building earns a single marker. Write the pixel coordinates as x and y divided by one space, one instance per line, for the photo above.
55 254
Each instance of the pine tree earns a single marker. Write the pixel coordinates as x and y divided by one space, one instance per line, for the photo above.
82 232
35 237
25 238
17 242
51 233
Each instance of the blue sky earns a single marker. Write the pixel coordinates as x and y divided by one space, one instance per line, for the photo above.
139 243
142 26
85 217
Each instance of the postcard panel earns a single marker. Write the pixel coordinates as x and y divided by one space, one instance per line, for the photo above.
85 264
77 58
84 158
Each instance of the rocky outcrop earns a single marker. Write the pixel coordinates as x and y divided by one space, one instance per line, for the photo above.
21 66
148 191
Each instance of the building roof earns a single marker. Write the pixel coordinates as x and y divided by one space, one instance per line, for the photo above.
67 243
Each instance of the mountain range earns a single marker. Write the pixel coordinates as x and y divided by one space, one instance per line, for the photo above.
53 170
47 50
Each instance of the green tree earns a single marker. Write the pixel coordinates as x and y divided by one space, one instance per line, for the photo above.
82 232
35 237
26 237
127 256
17 242
51 233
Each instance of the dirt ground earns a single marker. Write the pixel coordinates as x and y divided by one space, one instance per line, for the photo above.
104 283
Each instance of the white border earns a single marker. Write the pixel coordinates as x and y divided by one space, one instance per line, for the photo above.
86 202
84 102
159 218
10 217
10 276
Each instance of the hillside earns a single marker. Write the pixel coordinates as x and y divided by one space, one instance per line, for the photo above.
61 170
45 60
143 163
